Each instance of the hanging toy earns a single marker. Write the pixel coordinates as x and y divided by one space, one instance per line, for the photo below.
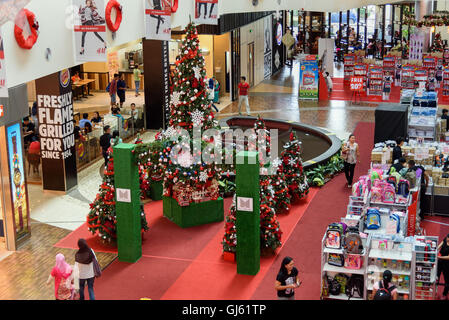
23 17
118 20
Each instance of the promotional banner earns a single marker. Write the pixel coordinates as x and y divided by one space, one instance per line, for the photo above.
3 88
56 131
268 44
158 19
356 84
18 185
206 12
90 31
309 80
113 64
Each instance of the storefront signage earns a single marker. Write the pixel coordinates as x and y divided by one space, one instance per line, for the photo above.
18 185
158 19
56 131
356 84
268 43
56 126
166 78
2 111
309 79
3 87
206 12
90 31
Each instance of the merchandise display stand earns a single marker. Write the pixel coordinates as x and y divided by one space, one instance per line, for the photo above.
349 63
446 56
332 271
396 256
445 85
423 116
361 70
425 275
408 77
375 81
389 65
421 77
430 63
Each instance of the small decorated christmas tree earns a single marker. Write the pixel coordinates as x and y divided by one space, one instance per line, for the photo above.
292 169
230 237
270 231
437 44
102 219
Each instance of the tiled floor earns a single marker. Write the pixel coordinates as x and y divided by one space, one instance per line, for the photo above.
54 215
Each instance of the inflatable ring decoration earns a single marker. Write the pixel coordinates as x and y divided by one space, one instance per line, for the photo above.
113 26
174 6
26 16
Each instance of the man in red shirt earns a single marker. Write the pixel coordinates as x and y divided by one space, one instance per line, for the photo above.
243 95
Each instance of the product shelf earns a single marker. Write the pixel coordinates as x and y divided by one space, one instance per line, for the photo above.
391 255
400 290
376 269
341 296
330 268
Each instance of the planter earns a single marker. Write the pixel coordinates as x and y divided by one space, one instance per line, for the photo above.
267 252
195 214
156 190
229 256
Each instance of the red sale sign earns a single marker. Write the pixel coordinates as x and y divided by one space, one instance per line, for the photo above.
356 84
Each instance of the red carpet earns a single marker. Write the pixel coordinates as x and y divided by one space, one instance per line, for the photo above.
304 245
163 239
179 268
342 92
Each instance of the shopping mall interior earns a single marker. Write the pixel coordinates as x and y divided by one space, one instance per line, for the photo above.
96 96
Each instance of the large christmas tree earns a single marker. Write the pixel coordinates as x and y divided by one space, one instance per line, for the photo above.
101 219
292 169
190 109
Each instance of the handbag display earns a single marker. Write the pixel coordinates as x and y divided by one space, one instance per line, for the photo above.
97 268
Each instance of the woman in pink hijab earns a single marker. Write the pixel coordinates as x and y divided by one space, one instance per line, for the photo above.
62 271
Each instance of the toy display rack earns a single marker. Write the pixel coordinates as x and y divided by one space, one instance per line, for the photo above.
408 77
425 275
349 63
375 81
389 65
445 84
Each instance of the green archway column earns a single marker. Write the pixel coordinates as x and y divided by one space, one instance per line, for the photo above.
127 191
248 213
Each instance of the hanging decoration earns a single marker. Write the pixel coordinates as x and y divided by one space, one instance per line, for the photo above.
174 6
26 16
437 19
114 26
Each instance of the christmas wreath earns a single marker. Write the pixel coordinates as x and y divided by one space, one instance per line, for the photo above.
30 18
118 20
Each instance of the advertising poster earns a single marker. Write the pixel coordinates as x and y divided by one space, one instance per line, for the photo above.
206 12
158 19
268 44
3 88
309 80
90 30
18 185
356 84
56 131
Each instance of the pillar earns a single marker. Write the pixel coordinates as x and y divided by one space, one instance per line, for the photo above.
127 205
56 131
248 213
423 8
157 83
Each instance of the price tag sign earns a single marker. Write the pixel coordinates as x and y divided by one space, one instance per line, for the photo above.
356 84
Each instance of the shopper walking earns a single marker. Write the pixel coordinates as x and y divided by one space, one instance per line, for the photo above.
443 265
350 154
84 268
89 17
121 89
445 115
63 276
137 74
105 143
216 91
112 89
287 280
384 289
243 95
397 150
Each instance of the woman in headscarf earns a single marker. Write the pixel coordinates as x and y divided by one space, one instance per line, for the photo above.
62 273
84 268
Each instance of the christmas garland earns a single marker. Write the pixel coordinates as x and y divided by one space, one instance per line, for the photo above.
438 18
